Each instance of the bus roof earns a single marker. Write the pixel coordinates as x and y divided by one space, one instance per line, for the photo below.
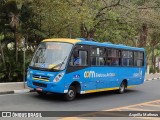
110 45
92 42
68 40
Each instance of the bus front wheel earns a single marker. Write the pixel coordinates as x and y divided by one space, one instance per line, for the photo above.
71 94
122 88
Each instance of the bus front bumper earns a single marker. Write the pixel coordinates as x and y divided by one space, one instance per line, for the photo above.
45 86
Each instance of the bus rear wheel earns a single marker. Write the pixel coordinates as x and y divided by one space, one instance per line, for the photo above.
122 88
71 94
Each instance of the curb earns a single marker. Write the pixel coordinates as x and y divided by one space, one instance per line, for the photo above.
17 91
32 90
152 79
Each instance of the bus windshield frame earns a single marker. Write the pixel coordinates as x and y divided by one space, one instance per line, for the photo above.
51 56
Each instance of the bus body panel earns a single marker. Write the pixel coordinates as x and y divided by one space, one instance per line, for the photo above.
99 78
90 78
81 77
44 80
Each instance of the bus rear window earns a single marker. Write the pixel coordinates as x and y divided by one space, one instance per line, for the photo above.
138 59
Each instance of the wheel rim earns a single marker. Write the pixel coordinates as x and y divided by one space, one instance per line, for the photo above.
71 93
122 87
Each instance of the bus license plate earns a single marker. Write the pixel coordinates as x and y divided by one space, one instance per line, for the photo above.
39 89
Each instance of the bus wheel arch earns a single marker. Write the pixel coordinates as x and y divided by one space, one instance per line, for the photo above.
73 89
123 86
77 86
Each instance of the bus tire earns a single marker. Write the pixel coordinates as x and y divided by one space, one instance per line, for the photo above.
71 94
41 93
122 87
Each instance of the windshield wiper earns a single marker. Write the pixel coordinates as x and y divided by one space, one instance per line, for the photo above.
59 64
38 68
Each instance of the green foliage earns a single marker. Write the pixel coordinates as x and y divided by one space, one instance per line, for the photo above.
152 70
1 37
14 71
120 22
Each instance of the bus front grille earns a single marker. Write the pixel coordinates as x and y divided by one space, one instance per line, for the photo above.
39 77
40 84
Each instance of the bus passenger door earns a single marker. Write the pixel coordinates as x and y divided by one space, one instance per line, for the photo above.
79 69
90 83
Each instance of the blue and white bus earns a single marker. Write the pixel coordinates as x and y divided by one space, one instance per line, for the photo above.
79 66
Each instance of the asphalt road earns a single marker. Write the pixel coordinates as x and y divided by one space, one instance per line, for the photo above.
148 91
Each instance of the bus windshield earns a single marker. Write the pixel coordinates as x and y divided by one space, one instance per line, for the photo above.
51 56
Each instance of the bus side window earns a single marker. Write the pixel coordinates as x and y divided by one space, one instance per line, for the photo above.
113 57
138 59
98 56
115 61
127 58
83 58
78 58
108 62
75 59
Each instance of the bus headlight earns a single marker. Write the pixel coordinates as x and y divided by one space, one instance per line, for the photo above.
58 77
28 74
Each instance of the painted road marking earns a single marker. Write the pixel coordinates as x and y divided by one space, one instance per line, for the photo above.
146 106
156 102
72 118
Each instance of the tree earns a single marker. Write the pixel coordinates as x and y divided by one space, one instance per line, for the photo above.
13 13
2 52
